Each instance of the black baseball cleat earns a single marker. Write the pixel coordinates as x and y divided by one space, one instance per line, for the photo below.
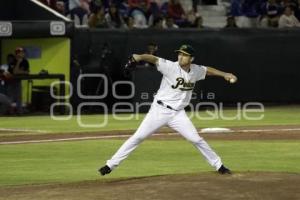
224 170
104 170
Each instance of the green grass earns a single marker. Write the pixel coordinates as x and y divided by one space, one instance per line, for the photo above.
288 115
77 161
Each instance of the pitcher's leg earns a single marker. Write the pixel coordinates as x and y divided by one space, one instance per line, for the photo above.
183 125
149 125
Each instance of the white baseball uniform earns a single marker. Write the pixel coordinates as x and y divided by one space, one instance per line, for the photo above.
168 109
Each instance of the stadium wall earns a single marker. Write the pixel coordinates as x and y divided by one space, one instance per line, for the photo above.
266 61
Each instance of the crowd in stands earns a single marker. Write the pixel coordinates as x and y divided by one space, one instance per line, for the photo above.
266 13
170 14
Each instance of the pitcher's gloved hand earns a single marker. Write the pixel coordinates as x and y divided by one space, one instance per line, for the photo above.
130 65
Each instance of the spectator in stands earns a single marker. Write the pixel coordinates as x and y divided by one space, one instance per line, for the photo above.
60 7
270 14
176 11
191 18
154 12
160 2
124 8
79 16
158 23
139 15
6 75
250 12
285 3
129 23
22 65
168 23
57 5
6 69
230 22
14 88
95 5
236 8
164 7
84 4
246 12
50 3
136 3
195 4
97 19
198 24
66 6
79 10
288 19
155 9
113 17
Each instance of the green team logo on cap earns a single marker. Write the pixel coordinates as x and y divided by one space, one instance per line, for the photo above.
187 49
183 47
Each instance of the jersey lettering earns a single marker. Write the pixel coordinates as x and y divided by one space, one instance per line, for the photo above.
186 86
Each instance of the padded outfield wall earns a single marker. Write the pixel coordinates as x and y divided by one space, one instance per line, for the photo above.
267 62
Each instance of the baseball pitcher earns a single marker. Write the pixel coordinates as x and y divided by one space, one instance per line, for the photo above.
174 94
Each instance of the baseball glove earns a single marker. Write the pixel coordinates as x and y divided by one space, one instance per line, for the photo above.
130 65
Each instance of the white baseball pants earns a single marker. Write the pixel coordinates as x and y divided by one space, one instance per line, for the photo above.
157 117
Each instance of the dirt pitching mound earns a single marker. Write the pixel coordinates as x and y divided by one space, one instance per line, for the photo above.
206 186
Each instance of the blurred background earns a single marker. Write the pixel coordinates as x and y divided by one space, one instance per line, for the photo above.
76 40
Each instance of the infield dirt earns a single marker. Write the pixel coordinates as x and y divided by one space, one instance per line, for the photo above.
207 186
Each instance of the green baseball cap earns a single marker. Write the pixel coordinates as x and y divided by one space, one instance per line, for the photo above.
186 49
